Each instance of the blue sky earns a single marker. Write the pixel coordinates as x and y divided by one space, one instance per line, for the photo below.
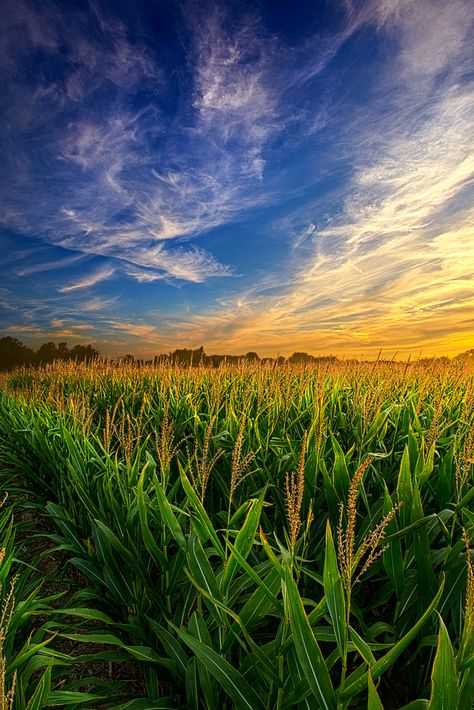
266 176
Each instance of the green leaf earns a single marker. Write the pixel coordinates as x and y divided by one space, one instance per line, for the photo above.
197 627
38 699
141 653
374 702
69 697
231 681
307 648
405 487
145 704
28 650
391 656
171 645
265 665
269 593
201 573
392 557
85 613
444 677
340 474
334 592
193 692
257 607
362 647
201 513
147 535
427 581
169 518
244 540
114 543
271 555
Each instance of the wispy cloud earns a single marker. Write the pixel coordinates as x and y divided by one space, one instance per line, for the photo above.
432 35
135 330
94 305
88 281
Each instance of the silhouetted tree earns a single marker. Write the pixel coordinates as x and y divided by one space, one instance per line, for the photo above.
300 359
48 352
325 358
63 352
84 353
467 356
185 356
13 353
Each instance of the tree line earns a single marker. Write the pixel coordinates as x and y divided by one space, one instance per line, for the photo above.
13 353
197 357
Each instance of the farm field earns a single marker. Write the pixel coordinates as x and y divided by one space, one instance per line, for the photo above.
250 537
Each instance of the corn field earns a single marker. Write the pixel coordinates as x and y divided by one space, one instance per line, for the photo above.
250 537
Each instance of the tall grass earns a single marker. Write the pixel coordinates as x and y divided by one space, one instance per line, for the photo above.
259 537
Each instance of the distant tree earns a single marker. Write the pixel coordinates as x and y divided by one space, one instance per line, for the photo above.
127 359
63 352
185 356
85 353
181 356
199 357
13 353
216 360
48 352
300 359
252 357
467 356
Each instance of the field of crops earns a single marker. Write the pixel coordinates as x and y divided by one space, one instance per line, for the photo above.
246 537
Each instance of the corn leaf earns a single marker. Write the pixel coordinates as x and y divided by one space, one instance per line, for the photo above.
444 677
307 648
231 681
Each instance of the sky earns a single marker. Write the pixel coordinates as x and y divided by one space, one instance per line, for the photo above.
267 176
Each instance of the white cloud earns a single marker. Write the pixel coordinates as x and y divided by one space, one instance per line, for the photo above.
93 279
193 264
433 34
136 330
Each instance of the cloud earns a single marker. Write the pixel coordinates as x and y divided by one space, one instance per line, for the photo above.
87 282
94 305
235 94
432 35
135 330
95 50
195 265
41 265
